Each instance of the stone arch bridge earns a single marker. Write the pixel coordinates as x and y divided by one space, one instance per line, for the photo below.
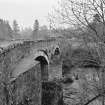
24 67
17 57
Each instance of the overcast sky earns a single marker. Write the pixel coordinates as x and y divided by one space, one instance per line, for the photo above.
26 11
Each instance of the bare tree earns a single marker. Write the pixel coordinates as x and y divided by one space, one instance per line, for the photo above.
89 17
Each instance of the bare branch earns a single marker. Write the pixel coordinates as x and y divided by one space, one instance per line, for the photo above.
94 98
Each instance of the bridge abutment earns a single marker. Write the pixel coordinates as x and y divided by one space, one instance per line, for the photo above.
44 72
44 67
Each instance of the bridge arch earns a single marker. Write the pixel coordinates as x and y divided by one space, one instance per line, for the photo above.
30 61
42 57
55 55
57 50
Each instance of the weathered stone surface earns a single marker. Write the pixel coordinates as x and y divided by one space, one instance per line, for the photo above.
27 87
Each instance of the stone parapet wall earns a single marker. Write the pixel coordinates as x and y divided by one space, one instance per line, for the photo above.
27 87
11 56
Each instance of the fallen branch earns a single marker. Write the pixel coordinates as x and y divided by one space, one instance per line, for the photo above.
94 98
